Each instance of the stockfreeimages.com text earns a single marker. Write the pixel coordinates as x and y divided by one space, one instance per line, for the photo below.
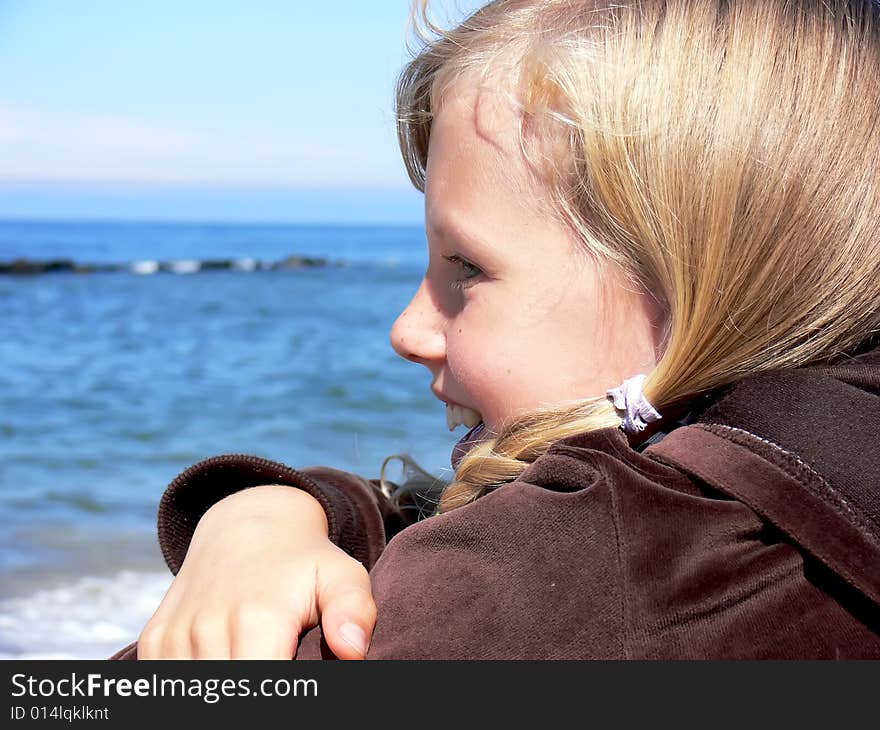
210 690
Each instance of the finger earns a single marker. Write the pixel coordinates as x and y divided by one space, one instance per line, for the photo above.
260 633
176 643
209 636
348 612
152 639
149 643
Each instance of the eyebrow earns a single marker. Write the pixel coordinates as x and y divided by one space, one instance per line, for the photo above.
449 230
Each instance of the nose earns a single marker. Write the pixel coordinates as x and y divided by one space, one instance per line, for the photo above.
418 334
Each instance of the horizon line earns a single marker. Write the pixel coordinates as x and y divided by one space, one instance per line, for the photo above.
209 222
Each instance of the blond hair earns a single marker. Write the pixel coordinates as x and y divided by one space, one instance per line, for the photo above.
723 154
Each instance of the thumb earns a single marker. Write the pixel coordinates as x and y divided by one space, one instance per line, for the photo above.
347 609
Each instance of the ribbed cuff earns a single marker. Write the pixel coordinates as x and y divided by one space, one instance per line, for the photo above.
354 522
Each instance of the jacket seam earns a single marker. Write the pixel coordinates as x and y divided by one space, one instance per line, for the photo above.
619 542
809 477
842 570
580 453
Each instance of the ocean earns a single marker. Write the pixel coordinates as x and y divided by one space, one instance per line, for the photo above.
113 382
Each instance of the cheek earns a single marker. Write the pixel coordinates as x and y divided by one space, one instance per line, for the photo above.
469 360
494 369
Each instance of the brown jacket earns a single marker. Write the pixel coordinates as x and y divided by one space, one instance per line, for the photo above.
751 532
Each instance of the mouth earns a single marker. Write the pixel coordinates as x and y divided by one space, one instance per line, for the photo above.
457 415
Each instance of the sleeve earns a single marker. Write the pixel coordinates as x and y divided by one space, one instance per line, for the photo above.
474 583
360 517
522 573
358 512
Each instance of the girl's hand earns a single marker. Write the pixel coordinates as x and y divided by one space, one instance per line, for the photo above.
259 571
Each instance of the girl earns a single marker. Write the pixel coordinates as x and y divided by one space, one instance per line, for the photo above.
652 293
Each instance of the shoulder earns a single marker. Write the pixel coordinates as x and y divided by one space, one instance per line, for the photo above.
533 569
599 551
504 577
666 520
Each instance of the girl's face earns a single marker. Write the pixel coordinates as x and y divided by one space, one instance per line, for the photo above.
509 315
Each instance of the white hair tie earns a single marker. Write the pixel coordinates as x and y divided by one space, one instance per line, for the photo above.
629 398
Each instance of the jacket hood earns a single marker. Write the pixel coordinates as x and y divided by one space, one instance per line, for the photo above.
801 447
829 416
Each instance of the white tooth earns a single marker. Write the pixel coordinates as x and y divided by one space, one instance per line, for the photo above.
457 415
471 417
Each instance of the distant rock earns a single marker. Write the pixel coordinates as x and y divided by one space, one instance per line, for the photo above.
180 266
26 266
297 262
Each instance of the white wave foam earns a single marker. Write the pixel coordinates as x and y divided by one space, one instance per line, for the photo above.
89 618
144 267
245 264
184 266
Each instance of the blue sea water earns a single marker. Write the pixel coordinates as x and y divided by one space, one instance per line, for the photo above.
112 383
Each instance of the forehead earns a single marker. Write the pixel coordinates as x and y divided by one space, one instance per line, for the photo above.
475 165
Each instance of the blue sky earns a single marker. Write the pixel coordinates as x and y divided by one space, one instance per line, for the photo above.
275 110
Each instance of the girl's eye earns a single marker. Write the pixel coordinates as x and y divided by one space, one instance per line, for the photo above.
467 267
